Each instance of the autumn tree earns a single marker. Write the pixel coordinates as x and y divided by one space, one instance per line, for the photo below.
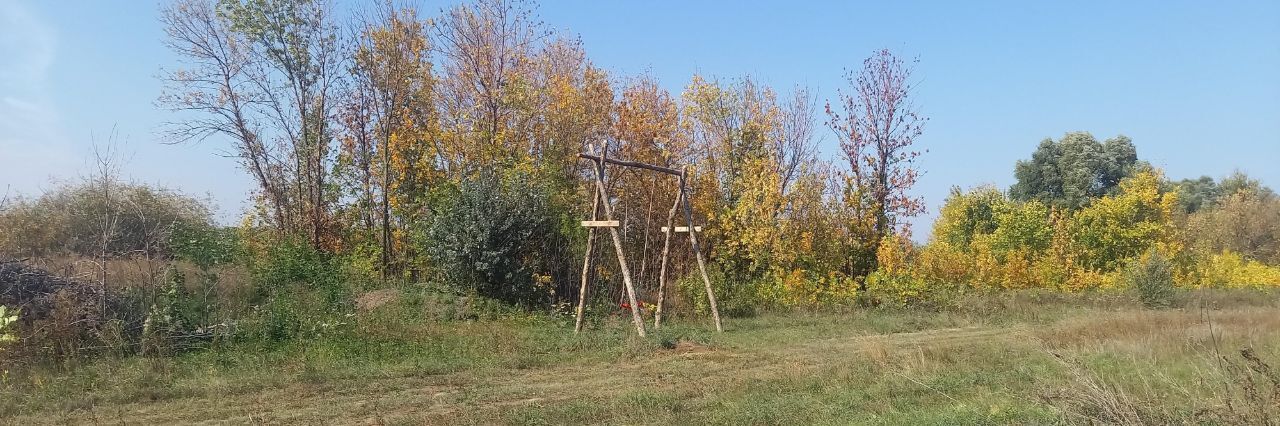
1237 213
1245 222
1119 227
646 128
967 215
482 47
751 152
262 72
564 103
389 140
512 96
736 185
877 125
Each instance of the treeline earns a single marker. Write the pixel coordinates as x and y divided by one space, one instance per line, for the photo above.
398 149
1089 215
444 148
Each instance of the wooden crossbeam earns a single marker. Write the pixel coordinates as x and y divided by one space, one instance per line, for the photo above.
660 169
680 229
600 224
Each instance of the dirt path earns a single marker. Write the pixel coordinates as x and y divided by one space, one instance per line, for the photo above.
438 398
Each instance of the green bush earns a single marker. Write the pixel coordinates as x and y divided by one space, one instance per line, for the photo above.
298 290
1151 277
735 298
294 264
500 236
204 245
5 319
209 248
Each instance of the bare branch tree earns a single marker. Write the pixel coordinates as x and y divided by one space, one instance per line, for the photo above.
797 145
878 125
262 72
215 87
106 158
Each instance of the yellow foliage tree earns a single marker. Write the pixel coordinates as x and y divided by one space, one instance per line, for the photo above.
1231 270
761 188
1113 229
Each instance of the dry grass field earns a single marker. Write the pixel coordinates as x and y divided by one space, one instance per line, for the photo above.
1019 358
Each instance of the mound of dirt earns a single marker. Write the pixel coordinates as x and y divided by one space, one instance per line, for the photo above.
688 347
373 299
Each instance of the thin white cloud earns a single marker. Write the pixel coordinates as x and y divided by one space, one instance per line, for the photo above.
31 145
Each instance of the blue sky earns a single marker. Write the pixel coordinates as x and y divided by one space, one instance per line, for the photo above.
1196 85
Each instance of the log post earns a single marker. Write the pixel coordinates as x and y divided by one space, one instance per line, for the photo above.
617 245
586 259
693 240
662 270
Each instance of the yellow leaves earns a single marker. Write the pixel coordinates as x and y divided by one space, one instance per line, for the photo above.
748 228
1231 270
1115 228
648 124
1085 250
897 289
893 254
412 165
985 241
250 232
807 288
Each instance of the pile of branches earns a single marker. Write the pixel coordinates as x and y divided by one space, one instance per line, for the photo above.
33 290
57 315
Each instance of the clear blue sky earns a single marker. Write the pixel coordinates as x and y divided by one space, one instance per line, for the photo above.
1195 84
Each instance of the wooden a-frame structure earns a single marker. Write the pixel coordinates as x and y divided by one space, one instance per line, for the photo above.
600 202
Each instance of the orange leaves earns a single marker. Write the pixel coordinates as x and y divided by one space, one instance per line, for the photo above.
648 124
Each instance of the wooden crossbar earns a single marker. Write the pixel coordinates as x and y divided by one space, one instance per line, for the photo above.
600 223
660 169
680 229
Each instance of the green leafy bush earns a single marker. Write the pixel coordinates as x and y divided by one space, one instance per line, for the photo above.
1151 276
204 245
6 318
501 237
294 264
298 290
735 297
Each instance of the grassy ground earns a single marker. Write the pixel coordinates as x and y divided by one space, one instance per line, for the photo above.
1016 358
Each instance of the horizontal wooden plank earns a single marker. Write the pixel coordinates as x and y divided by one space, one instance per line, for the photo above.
600 223
683 229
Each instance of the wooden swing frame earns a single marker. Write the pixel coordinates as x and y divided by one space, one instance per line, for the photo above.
600 201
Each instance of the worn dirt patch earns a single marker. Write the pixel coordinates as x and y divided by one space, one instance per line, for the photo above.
684 347
374 299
